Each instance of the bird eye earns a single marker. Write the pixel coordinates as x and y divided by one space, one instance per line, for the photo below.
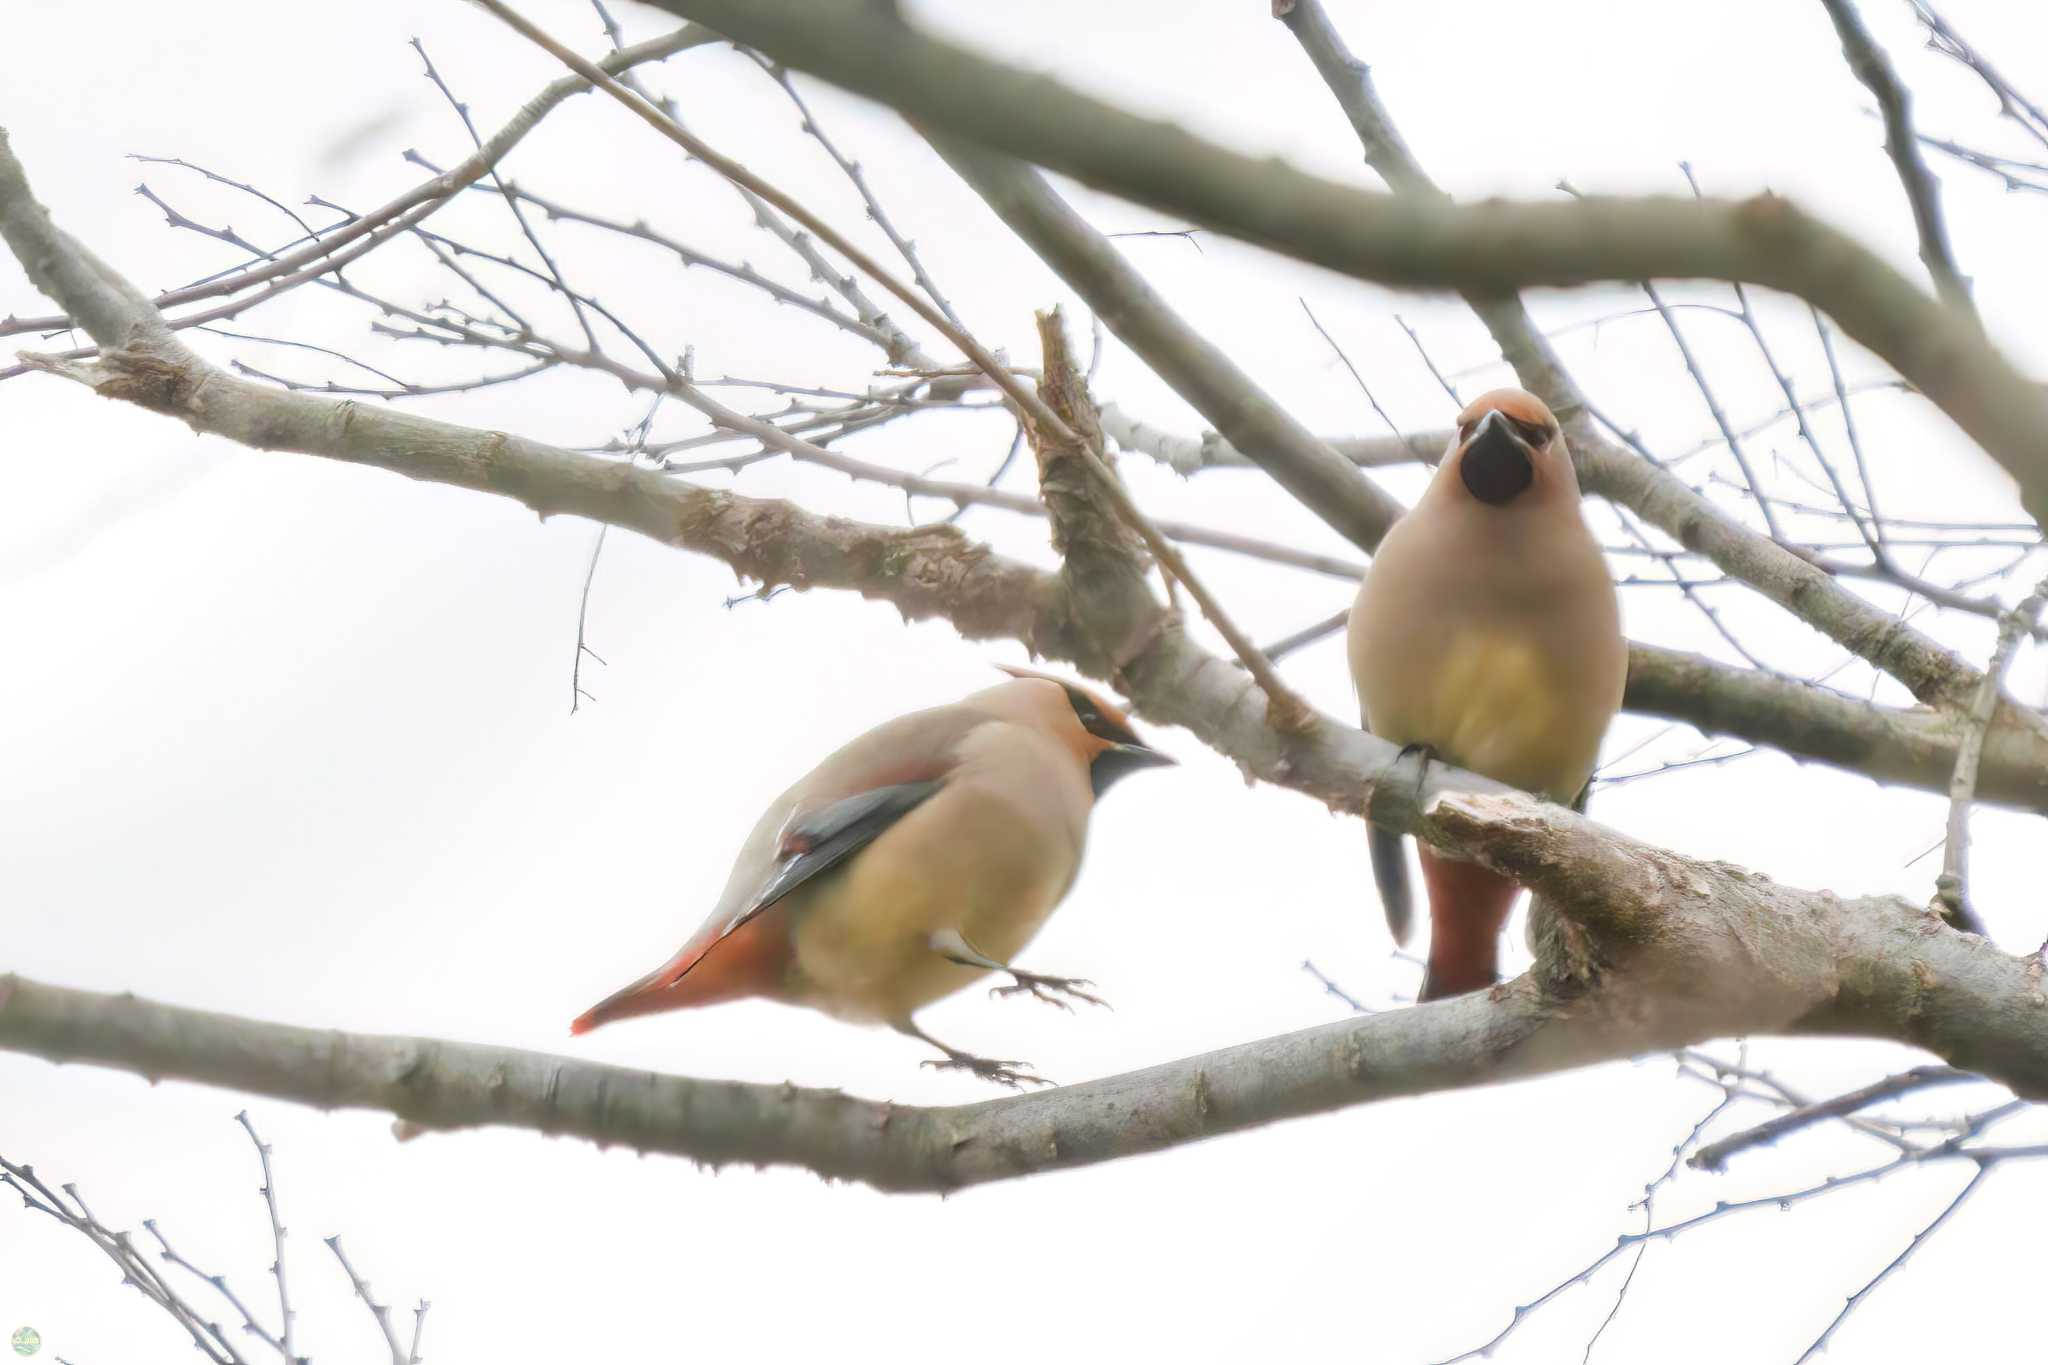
1535 433
1094 722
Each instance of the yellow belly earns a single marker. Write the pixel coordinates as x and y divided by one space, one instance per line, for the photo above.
1495 703
862 937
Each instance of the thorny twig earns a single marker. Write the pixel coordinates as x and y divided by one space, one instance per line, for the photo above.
1648 1204
71 1210
212 1339
285 1315
905 248
1740 1083
1942 37
380 1311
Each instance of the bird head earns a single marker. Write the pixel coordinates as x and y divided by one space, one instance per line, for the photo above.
1509 448
1096 729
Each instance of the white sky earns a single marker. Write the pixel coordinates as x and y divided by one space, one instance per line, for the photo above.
291 739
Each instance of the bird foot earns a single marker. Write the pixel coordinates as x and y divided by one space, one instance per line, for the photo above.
1050 989
988 1069
1416 758
1423 755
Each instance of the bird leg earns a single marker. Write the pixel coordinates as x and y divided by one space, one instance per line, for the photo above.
1424 755
949 944
988 1068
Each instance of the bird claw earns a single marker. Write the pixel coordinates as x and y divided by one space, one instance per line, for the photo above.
1423 755
988 1069
1049 989
1416 758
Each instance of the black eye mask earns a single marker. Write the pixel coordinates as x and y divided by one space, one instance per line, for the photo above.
1096 723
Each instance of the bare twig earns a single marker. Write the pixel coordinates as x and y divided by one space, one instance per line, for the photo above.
1287 709
742 271
511 201
1953 1150
380 1311
1923 192
1356 377
980 593
905 248
1446 385
71 1210
1332 989
1308 635
1729 436
284 1299
408 209
2025 113
1933 674
1951 892
1714 1156
1919 1239
576 692
1648 1204
221 1287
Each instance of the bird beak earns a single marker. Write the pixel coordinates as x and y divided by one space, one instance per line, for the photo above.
1121 760
1497 464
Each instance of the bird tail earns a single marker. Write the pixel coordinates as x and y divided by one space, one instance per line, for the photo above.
1389 850
1468 907
708 970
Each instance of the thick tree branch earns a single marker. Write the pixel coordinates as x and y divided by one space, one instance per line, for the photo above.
1909 746
1411 242
1288 709
1329 485
923 571
1352 504
1804 720
1931 673
1677 950
446 1085
1700 950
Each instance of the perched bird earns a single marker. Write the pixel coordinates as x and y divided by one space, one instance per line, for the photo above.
1487 633
921 856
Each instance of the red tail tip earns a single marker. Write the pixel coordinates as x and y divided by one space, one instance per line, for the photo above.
583 1023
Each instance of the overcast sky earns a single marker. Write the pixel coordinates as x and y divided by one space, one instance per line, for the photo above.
291 739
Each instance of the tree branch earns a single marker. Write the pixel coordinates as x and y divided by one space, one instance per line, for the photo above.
1494 247
1678 950
1324 482
1804 720
1186 455
924 571
409 209
1951 888
1288 709
1931 673
1714 1155
1703 950
1923 192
